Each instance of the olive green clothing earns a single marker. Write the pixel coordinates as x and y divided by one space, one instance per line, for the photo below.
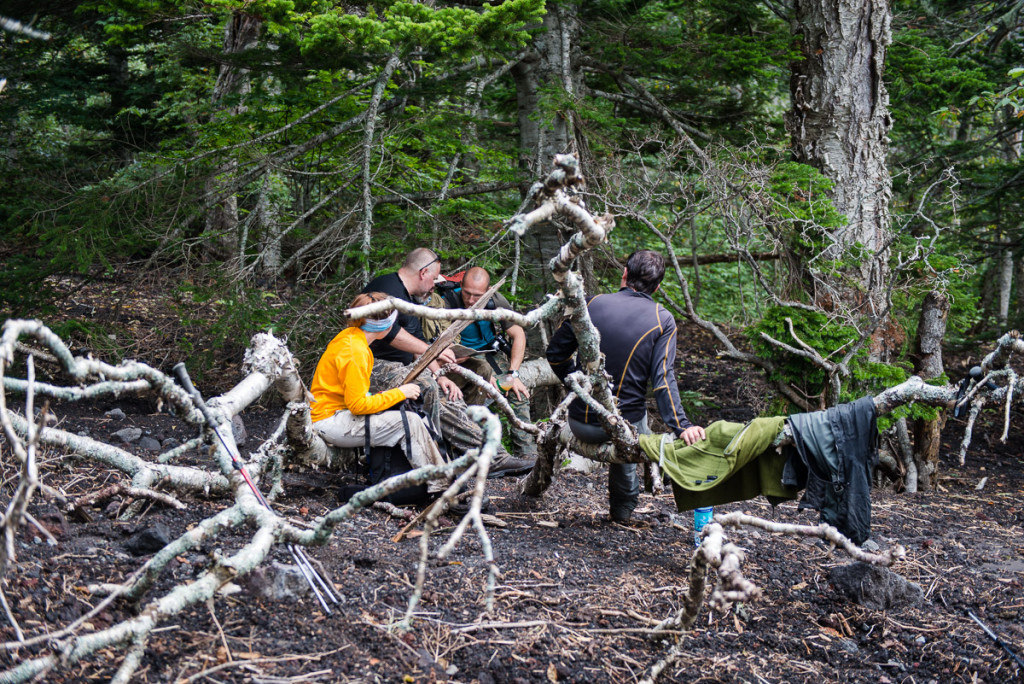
734 463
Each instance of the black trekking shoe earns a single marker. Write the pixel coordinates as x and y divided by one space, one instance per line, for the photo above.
460 506
346 492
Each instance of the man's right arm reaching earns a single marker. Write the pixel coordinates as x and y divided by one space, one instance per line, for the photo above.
560 351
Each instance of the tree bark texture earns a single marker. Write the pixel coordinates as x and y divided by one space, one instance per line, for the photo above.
240 34
546 79
928 364
839 124
930 331
1005 285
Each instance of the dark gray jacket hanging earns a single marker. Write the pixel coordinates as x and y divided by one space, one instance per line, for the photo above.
833 458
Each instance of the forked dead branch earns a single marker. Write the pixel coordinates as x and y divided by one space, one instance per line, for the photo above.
271 368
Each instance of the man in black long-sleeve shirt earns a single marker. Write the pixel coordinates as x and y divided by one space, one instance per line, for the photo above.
638 340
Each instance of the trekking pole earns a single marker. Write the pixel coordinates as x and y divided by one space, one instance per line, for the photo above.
992 635
302 562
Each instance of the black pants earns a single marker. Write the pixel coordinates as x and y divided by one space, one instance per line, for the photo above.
623 481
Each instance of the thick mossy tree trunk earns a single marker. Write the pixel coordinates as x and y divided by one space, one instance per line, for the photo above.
839 124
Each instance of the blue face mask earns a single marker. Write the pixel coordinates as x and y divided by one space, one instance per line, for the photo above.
371 325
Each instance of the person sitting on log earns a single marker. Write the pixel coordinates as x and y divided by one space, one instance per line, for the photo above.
500 359
343 409
638 341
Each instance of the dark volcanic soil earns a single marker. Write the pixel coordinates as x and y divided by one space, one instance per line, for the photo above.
577 593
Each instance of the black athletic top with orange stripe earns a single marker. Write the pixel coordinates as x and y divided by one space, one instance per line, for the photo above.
638 340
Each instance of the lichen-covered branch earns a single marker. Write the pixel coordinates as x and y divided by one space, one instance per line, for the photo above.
1006 345
549 308
716 554
489 389
478 473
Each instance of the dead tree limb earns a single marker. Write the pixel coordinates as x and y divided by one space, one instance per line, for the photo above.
716 555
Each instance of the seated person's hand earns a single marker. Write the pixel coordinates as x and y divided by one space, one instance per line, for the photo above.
450 389
447 356
692 435
411 391
519 389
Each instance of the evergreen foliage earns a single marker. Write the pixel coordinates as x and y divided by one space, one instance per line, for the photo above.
138 135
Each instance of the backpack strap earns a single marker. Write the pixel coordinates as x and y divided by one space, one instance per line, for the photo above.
366 444
408 437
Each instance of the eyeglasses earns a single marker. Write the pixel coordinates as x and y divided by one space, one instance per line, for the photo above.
430 263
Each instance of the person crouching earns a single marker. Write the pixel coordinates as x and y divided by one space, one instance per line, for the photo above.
342 399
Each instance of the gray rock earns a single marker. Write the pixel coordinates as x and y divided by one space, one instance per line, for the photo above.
848 645
169 443
149 443
128 435
112 509
149 540
875 587
115 414
869 546
238 430
83 433
275 582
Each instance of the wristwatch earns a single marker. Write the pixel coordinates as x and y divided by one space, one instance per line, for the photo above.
513 374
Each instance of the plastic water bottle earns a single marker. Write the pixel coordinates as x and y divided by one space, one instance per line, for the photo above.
701 517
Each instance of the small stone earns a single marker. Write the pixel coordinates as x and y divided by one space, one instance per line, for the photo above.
112 509
276 582
149 443
83 433
169 443
579 464
149 540
869 545
128 435
238 430
848 645
115 414
920 641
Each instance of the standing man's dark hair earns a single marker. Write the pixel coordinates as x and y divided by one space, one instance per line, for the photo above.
644 270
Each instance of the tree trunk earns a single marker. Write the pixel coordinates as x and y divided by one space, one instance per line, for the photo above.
1019 287
1005 285
269 234
839 123
988 297
547 79
930 331
221 221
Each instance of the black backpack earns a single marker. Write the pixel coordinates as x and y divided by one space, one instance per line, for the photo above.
388 461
